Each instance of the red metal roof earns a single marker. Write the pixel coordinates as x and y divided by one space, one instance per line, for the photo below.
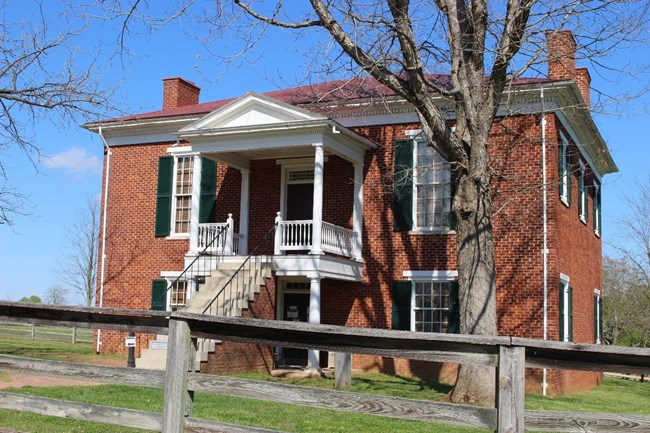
338 90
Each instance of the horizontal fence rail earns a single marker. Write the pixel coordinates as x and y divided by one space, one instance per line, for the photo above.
52 333
509 356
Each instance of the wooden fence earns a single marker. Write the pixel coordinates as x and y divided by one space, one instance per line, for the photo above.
509 356
32 332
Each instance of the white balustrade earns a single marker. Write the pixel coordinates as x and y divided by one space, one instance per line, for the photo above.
298 236
227 241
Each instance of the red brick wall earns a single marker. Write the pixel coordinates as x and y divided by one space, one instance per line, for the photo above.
135 257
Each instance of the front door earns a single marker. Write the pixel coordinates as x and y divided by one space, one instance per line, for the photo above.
296 309
300 199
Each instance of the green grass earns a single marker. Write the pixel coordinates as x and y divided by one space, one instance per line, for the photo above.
243 411
614 396
48 349
32 423
371 383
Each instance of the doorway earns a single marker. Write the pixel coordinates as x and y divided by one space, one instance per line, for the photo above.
295 308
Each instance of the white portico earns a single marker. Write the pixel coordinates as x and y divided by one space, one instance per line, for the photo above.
255 127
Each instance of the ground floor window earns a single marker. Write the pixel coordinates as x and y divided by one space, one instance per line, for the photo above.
427 302
178 293
566 310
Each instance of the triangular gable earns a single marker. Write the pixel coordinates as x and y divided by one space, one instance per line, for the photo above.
252 109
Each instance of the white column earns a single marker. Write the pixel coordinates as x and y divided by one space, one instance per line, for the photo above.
243 211
317 214
278 234
314 318
357 212
196 201
230 232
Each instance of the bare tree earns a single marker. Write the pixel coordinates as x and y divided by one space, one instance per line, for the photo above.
481 47
41 79
78 263
627 303
628 297
56 295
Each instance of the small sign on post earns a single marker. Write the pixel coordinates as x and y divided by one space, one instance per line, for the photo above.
129 341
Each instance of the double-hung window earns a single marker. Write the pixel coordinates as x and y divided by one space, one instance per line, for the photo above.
427 302
566 310
582 194
182 194
432 183
423 188
564 171
174 193
598 317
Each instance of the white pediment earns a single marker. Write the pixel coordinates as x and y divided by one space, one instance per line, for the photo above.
251 110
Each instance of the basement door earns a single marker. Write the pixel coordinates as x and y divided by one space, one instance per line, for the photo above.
295 309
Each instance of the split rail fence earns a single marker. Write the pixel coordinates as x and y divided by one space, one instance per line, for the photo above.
507 355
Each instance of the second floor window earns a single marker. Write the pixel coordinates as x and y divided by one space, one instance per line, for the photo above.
564 171
183 194
432 183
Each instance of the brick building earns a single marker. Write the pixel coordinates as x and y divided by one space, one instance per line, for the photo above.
365 235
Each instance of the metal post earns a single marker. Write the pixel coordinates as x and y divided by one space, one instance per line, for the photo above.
130 362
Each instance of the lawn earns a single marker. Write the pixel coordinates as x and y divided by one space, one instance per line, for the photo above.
619 396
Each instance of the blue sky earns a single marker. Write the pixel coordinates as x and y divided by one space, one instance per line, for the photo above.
71 170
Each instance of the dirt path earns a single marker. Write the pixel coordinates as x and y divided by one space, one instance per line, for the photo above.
15 379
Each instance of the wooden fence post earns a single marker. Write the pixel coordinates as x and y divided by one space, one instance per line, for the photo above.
178 400
33 332
74 335
510 389
342 369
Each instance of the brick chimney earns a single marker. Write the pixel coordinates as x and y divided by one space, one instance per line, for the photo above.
561 48
178 92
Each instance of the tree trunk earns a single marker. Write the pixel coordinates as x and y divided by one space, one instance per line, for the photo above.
476 275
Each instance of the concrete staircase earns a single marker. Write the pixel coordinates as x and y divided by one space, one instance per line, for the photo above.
232 302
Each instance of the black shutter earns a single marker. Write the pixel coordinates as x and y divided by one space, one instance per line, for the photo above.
208 199
454 309
401 309
164 196
403 185
159 295
597 220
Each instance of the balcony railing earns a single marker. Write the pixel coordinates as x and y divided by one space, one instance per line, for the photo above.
226 245
298 236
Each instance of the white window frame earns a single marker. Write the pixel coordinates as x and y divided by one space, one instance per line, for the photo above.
598 314
565 175
582 193
597 209
190 287
429 277
564 280
446 166
175 196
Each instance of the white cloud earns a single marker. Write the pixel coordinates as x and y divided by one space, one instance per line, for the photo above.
76 161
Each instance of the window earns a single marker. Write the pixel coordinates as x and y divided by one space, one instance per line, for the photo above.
174 195
564 171
582 194
566 311
597 226
182 194
178 293
426 305
598 317
432 182
431 306
423 188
